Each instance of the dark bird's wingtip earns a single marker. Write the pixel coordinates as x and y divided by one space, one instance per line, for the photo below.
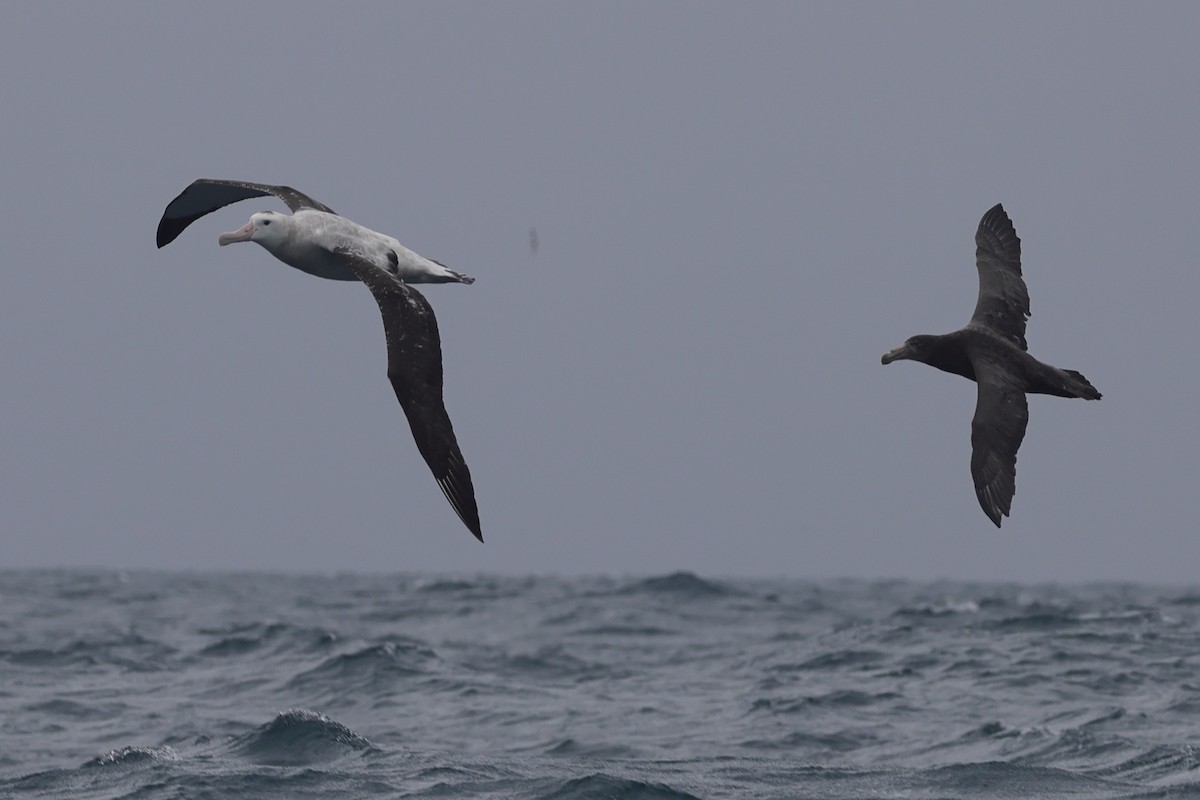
994 213
993 514
992 506
996 513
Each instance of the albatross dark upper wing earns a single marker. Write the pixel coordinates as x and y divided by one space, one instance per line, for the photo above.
415 370
207 195
1001 414
1003 304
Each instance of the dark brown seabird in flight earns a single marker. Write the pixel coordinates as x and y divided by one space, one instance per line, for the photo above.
314 239
991 350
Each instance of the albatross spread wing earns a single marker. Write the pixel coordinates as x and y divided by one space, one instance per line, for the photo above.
1003 305
207 195
1001 414
415 370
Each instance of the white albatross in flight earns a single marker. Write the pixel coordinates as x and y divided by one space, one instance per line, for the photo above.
314 239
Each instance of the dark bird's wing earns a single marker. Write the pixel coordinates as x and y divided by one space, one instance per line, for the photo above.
415 370
1001 414
207 195
1003 304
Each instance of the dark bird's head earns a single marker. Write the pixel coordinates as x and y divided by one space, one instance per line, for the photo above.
917 348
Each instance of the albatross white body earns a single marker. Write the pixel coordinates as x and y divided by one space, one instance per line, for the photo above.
314 239
310 241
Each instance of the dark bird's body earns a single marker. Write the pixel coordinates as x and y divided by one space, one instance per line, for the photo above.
991 350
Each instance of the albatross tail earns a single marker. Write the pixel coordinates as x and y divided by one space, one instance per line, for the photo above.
449 276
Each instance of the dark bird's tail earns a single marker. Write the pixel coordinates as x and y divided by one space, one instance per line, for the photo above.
1045 379
1080 386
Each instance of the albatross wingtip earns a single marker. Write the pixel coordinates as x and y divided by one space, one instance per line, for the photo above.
168 229
472 523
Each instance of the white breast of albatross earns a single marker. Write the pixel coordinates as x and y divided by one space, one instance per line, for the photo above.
309 240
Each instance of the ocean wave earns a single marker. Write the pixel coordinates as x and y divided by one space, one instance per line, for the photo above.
299 736
809 742
477 588
76 654
547 663
838 659
599 786
1016 780
133 756
280 637
445 585
75 711
1036 619
127 651
368 666
989 730
941 608
682 583
576 749
625 630
847 698
1081 746
1155 764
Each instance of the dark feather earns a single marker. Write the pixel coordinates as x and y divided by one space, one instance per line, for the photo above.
1003 305
207 195
415 370
1001 414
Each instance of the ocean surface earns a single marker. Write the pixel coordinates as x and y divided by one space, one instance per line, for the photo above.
157 685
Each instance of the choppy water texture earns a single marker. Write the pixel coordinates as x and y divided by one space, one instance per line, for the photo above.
155 685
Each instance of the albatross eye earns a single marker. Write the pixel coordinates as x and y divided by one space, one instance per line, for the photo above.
266 222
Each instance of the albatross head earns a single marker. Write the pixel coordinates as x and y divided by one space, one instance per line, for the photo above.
266 227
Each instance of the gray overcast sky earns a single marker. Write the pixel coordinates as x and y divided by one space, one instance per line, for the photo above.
740 208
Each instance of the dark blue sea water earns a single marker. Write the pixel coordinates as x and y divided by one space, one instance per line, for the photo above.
155 685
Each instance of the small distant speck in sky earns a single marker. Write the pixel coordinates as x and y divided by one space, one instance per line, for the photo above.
533 241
